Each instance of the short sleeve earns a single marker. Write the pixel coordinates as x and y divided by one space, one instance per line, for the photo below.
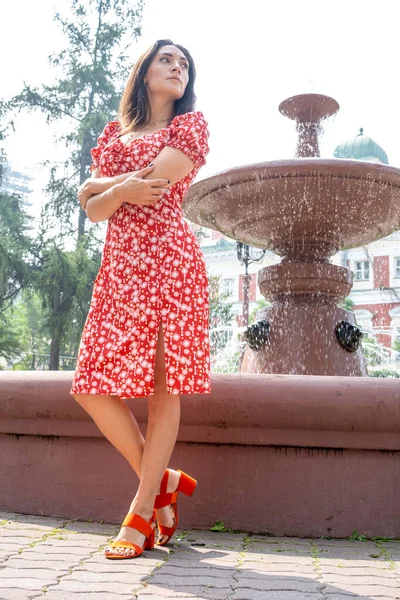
189 134
108 133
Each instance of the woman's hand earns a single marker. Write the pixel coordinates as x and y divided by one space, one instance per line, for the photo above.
87 189
144 192
91 187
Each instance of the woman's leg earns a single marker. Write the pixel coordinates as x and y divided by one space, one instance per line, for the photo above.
117 423
161 434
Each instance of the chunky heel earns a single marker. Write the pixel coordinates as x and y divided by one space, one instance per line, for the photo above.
187 484
149 544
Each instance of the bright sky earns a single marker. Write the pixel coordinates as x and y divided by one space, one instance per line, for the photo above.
249 55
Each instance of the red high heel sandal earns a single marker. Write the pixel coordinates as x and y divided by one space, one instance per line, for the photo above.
186 485
135 522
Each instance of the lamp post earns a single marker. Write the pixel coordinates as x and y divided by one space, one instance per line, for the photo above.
246 255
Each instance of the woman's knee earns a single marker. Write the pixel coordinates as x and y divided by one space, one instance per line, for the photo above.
161 397
83 399
79 398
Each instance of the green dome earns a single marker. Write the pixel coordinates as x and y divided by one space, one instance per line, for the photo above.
361 147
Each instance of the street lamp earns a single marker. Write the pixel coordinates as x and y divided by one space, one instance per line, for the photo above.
246 255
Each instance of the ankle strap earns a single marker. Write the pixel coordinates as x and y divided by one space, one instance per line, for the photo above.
165 500
137 522
164 483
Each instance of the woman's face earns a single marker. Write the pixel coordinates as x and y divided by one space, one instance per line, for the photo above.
168 73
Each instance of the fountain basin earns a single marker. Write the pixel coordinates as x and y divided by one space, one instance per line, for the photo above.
303 209
301 456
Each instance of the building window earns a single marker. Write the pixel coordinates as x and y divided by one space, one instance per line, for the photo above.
397 267
361 270
228 286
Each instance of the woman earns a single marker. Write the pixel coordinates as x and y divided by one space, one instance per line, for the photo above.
146 332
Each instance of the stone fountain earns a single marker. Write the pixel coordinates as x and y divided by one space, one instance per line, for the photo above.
305 210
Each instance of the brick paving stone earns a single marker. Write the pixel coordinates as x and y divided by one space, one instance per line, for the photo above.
56 551
23 583
216 540
6 515
43 520
16 526
17 594
204 571
356 548
368 591
273 583
140 562
383 571
84 537
60 544
131 577
190 580
65 595
277 558
347 596
99 528
193 592
336 579
35 573
248 594
348 563
117 566
202 555
19 562
339 555
114 587
281 539
252 569
14 544
10 532
276 551
265 543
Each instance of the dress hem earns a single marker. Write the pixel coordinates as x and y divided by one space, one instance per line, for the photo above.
72 393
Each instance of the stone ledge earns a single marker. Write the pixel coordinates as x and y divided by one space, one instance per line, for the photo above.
274 410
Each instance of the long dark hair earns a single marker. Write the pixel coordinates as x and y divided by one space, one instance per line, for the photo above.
134 108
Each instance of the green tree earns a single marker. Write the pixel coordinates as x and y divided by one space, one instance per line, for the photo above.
28 323
64 282
15 246
93 65
15 243
346 304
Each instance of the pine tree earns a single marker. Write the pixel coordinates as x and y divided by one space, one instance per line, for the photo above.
94 65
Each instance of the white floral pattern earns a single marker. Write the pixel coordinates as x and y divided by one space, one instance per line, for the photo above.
152 271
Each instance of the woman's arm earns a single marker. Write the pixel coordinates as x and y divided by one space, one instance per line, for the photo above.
101 207
143 187
97 185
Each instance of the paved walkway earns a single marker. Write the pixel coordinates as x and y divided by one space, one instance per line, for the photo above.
56 559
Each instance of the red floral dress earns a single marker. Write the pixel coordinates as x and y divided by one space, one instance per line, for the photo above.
152 271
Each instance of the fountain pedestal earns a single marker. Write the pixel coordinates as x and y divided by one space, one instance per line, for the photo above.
304 309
